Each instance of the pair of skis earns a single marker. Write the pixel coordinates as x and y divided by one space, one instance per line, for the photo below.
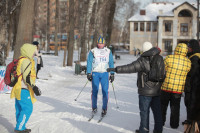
92 116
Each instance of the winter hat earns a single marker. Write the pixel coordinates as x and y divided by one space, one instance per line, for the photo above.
101 40
35 43
146 46
194 44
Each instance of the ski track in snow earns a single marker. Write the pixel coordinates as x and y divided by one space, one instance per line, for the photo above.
56 111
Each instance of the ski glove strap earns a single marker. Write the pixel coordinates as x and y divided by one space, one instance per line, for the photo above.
37 91
89 77
112 77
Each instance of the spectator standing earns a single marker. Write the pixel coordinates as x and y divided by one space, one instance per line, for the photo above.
148 90
177 66
38 56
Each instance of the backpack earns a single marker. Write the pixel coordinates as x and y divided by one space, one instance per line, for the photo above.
157 69
11 76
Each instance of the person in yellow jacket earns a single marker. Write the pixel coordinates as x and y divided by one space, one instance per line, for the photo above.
24 89
177 66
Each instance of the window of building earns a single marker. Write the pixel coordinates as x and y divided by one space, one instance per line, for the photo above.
154 27
168 45
185 13
135 26
141 26
184 27
148 26
168 26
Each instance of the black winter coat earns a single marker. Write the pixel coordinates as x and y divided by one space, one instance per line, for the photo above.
142 66
192 86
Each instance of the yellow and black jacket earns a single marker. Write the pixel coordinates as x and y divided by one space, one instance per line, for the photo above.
24 69
177 66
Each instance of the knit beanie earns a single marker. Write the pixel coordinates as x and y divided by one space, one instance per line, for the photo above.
146 46
194 44
35 43
101 40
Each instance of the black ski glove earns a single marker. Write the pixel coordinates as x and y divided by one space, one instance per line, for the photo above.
89 77
111 69
37 91
112 77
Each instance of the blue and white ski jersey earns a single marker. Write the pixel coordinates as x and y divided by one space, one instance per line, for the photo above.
99 60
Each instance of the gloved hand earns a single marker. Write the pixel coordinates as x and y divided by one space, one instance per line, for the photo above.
112 77
111 69
89 76
37 91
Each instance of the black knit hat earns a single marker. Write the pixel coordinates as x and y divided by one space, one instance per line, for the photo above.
35 43
194 44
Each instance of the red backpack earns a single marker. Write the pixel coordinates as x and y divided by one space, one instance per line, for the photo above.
11 76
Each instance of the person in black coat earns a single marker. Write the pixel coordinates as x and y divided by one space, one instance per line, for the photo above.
149 92
192 86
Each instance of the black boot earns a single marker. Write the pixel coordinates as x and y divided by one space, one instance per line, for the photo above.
137 131
103 113
94 111
23 131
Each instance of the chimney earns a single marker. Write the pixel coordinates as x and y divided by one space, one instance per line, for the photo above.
142 12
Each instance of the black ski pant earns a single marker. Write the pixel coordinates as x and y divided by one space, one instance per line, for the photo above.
174 99
187 101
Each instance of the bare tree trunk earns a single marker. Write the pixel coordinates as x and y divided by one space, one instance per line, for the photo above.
89 14
10 27
16 21
48 25
71 34
110 21
25 26
82 30
96 23
57 27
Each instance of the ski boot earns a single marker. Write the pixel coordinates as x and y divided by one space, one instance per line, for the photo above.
94 111
103 113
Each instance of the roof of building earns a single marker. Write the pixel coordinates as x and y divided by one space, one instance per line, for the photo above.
157 9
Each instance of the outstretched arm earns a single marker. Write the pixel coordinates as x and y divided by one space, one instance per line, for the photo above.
139 65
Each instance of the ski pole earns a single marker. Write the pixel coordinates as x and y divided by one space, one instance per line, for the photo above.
115 95
81 91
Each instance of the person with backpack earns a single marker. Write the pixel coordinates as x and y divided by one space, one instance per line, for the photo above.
38 56
24 89
192 85
151 73
177 66
99 59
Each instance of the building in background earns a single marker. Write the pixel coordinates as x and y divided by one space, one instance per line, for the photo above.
164 24
41 9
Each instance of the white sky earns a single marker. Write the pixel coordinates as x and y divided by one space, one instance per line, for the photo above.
145 2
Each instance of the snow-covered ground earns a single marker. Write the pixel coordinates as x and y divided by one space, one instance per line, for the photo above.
56 111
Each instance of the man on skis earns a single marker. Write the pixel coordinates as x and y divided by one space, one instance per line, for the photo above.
99 59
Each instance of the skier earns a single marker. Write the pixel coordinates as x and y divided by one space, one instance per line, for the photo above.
99 59
148 90
24 89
